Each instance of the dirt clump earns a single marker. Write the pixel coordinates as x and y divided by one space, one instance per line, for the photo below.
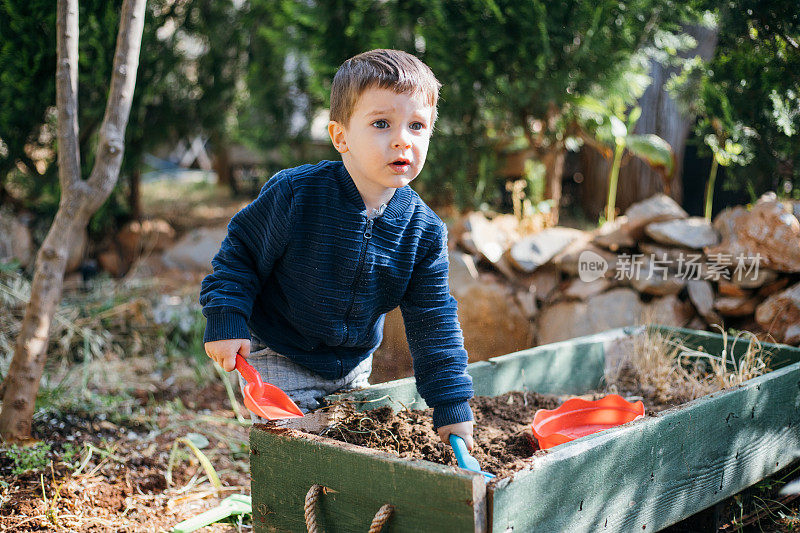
503 436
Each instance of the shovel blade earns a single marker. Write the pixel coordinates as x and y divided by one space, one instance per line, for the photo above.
270 402
464 459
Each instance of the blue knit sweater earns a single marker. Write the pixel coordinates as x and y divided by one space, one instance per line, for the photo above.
304 269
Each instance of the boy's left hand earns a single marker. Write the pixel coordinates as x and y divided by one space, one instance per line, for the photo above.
462 429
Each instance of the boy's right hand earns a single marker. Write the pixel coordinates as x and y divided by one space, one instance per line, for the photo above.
224 351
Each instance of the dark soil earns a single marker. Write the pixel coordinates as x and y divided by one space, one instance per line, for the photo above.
129 491
504 443
503 435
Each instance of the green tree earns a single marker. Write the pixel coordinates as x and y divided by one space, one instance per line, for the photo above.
510 70
613 125
276 80
314 38
527 63
27 87
190 64
80 198
757 67
749 105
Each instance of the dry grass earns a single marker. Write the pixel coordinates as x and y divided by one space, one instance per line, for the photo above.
661 367
110 319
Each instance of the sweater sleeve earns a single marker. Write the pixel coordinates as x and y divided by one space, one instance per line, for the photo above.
435 338
257 237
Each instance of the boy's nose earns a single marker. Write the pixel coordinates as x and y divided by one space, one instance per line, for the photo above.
401 140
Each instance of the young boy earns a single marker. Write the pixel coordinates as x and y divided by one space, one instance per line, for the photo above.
308 270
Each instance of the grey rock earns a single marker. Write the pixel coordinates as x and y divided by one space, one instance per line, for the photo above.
657 208
463 271
489 238
568 261
754 278
656 280
195 250
531 252
566 320
492 320
701 294
667 311
695 232
769 231
615 235
543 281
735 306
779 314
583 290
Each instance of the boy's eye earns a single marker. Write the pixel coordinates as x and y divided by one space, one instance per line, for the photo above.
417 126
380 124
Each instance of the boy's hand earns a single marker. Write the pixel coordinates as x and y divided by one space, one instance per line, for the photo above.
462 429
224 351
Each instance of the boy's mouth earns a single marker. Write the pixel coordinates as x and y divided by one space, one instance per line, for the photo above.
400 164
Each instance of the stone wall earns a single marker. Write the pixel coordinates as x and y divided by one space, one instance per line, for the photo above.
519 286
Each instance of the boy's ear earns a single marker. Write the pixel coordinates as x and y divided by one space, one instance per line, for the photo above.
336 131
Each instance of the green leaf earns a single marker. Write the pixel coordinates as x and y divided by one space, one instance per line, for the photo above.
633 118
618 128
174 457
209 469
732 147
593 105
573 144
200 441
653 149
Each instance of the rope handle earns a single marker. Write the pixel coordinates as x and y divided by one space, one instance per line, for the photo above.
380 519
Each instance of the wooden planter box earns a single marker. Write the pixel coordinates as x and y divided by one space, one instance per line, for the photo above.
643 476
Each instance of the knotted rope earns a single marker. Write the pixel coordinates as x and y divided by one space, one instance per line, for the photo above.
309 509
381 517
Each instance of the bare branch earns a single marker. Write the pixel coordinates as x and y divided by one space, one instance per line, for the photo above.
79 200
69 168
111 143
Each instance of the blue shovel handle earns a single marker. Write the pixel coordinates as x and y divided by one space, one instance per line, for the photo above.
465 460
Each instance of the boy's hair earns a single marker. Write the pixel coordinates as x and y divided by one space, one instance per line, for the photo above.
385 69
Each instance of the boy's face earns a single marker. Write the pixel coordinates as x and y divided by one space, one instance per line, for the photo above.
385 144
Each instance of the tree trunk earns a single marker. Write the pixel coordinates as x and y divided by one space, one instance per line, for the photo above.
222 166
79 200
594 188
135 195
660 115
553 159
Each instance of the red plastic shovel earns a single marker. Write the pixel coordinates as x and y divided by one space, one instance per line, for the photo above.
264 399
578 417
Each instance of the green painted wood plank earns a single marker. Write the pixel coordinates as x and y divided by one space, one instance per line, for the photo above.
398 394
402 393
427 497
568 367
639 477
656 471
782 354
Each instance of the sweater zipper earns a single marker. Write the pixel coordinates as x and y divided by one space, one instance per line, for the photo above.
359 271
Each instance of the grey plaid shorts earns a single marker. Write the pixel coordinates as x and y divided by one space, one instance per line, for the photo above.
303 386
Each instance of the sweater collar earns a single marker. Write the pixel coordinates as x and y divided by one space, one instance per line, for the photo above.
396 207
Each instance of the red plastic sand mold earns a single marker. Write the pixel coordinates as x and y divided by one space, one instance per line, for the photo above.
578 417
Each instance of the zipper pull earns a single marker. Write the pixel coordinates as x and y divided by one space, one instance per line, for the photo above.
368 232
